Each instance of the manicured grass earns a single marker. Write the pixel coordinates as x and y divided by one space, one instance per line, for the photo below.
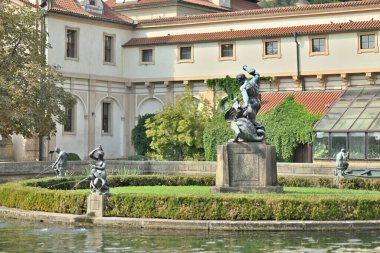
205 190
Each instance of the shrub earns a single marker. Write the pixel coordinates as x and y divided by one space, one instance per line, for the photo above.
73 157
140 141
287 126
217 132
33 195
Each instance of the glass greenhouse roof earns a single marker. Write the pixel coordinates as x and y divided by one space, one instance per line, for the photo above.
358 109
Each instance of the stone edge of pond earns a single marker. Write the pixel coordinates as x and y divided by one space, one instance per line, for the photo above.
212 225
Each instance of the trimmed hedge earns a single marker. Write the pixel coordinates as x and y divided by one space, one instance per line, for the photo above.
33 195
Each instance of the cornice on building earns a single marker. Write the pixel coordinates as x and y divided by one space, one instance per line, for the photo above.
354 6
255 33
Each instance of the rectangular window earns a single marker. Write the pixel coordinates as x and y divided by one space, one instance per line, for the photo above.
318 45
338 141
69 124
106 117
321 145
92 2
367 42
356 143
271 48
373 145
71 43
108 49
227 51
146 56
185 54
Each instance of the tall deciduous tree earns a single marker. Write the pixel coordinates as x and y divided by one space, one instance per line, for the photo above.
32 98
177 131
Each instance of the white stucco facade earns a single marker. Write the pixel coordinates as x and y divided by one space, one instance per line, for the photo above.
134 89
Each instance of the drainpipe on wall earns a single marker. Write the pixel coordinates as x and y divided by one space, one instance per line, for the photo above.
298 62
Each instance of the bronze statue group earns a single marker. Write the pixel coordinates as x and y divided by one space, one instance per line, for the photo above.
98 176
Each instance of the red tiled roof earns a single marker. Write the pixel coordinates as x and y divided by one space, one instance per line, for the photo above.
268 11
204 3
315 102
264 32
239 5
71 7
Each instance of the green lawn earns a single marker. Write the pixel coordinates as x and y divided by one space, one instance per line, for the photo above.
205 190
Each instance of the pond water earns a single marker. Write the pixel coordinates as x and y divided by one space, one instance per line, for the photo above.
23 236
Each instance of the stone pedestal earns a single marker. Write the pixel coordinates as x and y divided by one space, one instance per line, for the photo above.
246 167
95 205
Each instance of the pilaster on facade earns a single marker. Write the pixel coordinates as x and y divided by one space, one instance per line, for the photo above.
297 83
345 80
371 78
129 86
150 87
275 84
322 79
169 92
188 84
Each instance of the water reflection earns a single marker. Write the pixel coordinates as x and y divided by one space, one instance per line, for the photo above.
22 236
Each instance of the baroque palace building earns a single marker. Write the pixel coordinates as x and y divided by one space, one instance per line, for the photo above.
123 58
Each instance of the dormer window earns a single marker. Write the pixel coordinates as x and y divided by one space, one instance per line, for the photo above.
93 6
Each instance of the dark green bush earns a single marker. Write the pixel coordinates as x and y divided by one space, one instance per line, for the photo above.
140 141
217 132
73 157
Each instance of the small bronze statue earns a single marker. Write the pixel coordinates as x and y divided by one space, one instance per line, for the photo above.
341 162
243 117
60 164
98 175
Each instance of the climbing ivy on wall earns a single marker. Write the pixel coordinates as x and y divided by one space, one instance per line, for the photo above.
217 132
287 126
229 85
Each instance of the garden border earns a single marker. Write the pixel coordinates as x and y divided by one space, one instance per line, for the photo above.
210 225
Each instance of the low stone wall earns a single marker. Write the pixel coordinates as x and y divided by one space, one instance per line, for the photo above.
10 171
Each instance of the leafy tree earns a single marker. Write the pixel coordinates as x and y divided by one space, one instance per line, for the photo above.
30 100
140 141
177 131
217 131
287 126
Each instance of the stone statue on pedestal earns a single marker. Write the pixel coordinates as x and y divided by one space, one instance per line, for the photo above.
98 175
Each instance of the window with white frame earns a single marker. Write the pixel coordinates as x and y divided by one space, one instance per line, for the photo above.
92 2
69 123
72 39
318 45
367 42
185 53
109 49
146 56
106 117
271 48
227 51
